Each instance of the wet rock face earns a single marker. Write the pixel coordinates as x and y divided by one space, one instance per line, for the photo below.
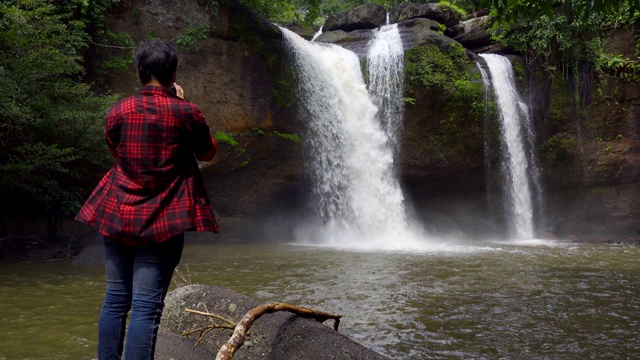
280 335
367 16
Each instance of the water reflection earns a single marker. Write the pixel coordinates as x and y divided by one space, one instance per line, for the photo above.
528 301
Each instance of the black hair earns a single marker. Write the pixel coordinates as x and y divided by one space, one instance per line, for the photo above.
157 59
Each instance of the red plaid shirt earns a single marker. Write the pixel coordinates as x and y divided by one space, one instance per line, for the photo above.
155 189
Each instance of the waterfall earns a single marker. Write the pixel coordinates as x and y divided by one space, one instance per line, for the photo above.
516 133
386 80
350 153
318 33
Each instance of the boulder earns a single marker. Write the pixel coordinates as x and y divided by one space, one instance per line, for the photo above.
475 32
170 346
440 13
419 31
305 31
90 255
367 16
356 41
273 336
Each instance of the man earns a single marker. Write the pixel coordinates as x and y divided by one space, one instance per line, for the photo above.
147 200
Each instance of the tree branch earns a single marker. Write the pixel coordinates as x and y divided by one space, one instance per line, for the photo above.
237 339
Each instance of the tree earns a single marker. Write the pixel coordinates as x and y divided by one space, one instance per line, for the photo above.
50 122
510 11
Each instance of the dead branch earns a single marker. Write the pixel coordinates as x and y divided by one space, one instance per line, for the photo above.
237 338
228 325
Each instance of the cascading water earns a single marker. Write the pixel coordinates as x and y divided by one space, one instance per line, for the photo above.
351 155
386 80
318 33
515 126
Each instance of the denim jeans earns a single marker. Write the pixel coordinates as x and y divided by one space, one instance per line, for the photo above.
138 278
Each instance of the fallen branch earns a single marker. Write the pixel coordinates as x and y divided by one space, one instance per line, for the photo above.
227 324
237 338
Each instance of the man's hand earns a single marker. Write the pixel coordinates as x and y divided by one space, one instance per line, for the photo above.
179 91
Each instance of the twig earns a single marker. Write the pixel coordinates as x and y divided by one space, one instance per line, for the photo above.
186 279
229 322
113 46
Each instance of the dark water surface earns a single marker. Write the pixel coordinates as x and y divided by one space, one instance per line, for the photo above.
489 300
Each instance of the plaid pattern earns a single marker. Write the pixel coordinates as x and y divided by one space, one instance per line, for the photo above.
155 189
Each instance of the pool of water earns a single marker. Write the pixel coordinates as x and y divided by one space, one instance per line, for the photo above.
533 300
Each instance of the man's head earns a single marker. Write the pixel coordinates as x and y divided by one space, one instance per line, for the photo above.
158 60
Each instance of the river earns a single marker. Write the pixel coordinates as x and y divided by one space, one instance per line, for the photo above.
531 300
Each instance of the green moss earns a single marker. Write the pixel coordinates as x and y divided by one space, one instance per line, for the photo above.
447 77
283 93
558 148
191 35
222 137
518 70
292 137
447 5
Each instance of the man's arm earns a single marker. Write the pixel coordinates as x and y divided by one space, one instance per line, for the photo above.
210 154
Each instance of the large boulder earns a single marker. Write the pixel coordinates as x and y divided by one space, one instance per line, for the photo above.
440 13
273 336
356 41
367 16
474 34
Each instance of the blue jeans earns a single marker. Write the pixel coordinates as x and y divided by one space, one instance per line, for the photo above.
138 277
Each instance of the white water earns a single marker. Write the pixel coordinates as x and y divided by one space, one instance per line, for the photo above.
514 122
386 80
351 155
318 33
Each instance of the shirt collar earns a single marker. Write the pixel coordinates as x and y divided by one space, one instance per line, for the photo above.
152 89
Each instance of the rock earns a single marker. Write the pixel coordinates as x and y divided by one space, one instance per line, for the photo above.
366 16
274 336
475 32
497 48
90 255
440 13
305 31
171 346
356 41
416 32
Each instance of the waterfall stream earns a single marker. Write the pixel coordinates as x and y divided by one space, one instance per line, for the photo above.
516 132
352 137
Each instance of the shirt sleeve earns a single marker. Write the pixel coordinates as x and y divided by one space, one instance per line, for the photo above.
201 133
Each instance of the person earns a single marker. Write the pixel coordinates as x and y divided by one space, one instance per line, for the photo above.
149 198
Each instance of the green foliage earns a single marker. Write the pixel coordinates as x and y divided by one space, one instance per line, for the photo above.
409 100
448 5
518 10
191 35
283 92
122 59
434 67
314 12
222 137
445 73
51 145
558 148
565 33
